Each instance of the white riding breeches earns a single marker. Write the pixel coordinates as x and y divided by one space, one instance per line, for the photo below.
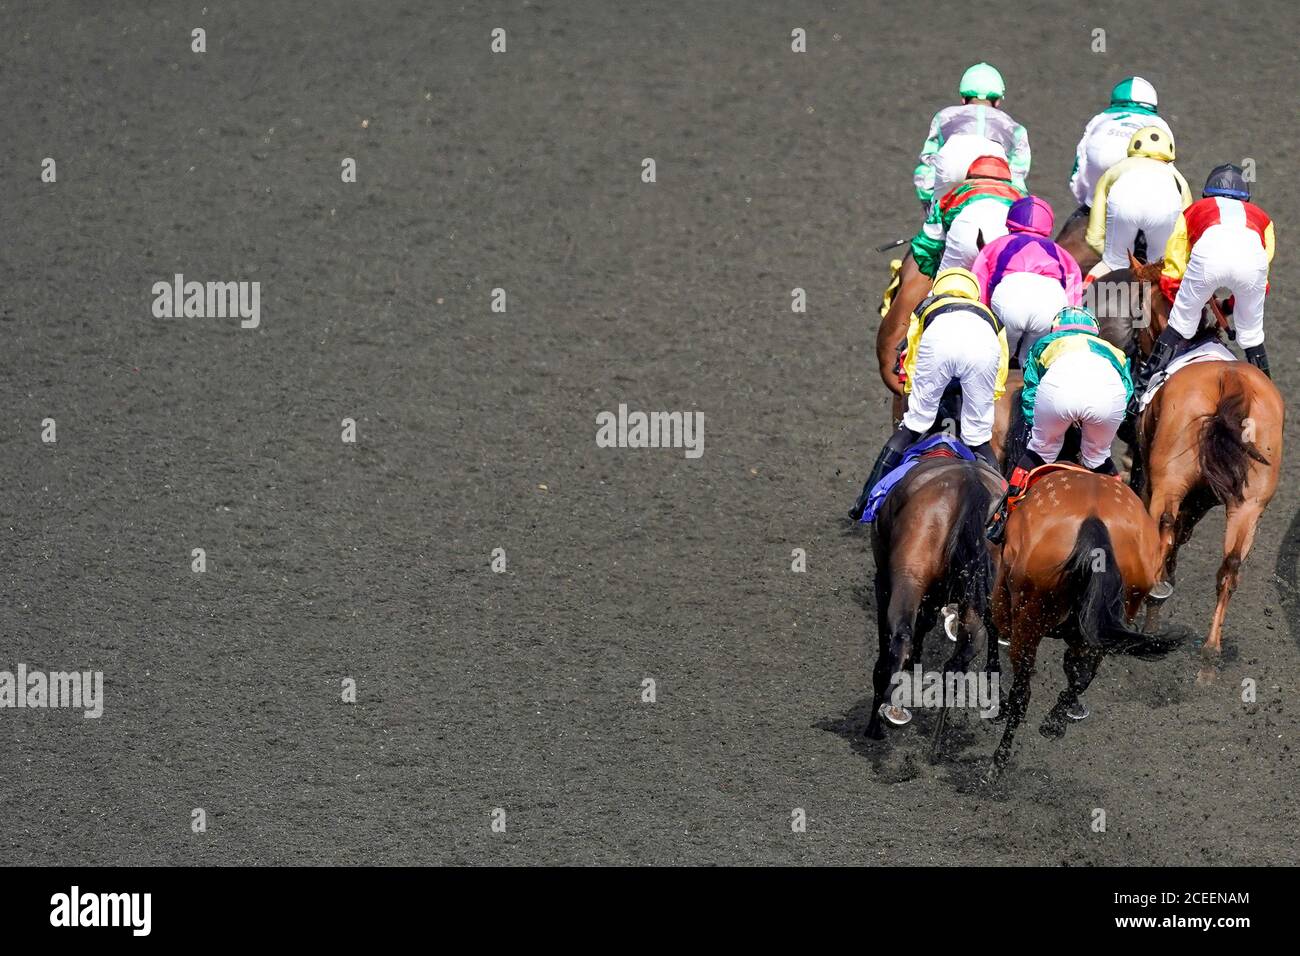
1230 256
964 347
987 217
1027 303
1080 388
1147 199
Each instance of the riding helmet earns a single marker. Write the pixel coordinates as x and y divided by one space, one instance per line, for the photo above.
1134 89
956 281
982 82
1228 181
1152 142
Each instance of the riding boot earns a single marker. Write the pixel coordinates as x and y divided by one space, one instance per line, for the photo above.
890 457
1257 357
997 528
984 451
1169 344
1107 467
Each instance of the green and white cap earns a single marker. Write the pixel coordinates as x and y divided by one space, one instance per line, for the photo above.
1134 89
982 82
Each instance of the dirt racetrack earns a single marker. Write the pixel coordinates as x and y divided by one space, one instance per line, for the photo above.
370 561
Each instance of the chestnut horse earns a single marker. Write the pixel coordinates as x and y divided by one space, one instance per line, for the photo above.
930 551
1080 554
1211 435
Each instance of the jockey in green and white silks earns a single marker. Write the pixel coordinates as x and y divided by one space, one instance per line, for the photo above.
1106 138
978 205
961 134
1072 377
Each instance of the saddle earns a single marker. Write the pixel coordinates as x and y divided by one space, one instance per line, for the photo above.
934 446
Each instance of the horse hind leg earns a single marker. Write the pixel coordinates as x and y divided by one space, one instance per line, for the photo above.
1166 509
1081 663
971 625
895 625
1238 537
1026 633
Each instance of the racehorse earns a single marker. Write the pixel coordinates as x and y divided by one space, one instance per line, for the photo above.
1072 238
912 288
930 551
1211 435
1080 554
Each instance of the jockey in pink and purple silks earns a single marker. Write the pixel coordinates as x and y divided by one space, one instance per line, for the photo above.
1025 277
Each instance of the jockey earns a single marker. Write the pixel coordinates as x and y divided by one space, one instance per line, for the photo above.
1073 377
952 335
1143 192
1221 240
1025 277
961 134
949 238
1105 139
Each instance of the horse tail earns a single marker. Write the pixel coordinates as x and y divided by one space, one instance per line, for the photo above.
966 552
1225 452
1092 572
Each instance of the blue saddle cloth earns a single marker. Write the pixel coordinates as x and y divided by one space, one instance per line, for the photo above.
910 459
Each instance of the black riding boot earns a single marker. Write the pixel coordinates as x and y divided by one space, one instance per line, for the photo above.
997 528
1107 467
1168 345
1257 357
890 457
985 452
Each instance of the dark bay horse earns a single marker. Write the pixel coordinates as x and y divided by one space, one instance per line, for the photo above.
1072 238
1080 555
1211 435
930 551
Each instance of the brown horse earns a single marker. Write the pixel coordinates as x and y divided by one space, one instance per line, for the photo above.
1080 554
930 551
1211 435
1072 238
913 286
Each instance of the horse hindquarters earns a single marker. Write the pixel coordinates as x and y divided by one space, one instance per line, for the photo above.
1247 422
1093 573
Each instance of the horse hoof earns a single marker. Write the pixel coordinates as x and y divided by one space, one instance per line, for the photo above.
950 621
1077 711
875 731
1161 592
1207 675
898 716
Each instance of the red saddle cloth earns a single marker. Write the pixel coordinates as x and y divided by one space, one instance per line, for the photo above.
1042 471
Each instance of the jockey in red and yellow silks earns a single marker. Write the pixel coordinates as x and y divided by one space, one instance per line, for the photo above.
1222 240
